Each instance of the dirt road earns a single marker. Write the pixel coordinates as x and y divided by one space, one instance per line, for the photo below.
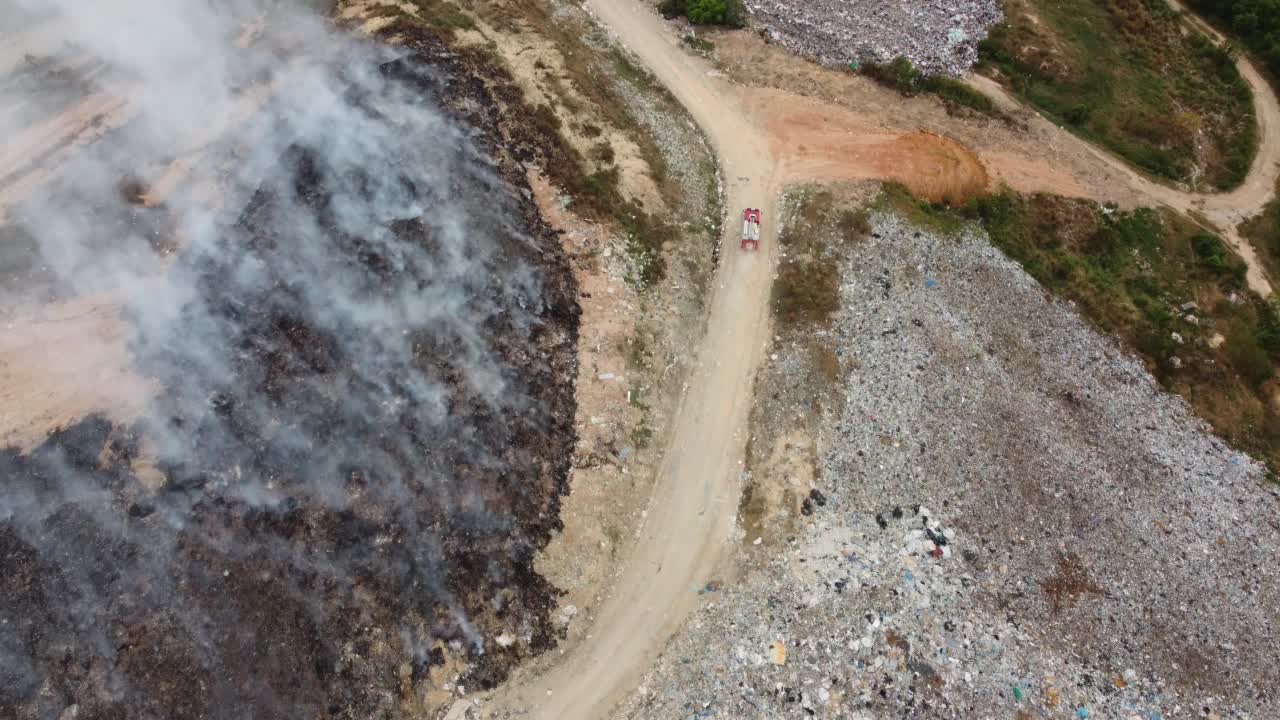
1225 210
691 513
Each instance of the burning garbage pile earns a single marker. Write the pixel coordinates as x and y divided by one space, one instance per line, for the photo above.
937 36
366 365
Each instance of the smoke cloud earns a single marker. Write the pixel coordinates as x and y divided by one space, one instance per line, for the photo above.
364 343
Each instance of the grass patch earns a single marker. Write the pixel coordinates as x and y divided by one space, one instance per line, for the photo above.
926 215
731 13
698 45
807 289
1131 274
902 76
1263 232
1122 74
440 15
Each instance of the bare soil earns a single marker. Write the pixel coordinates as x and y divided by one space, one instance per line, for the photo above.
62 362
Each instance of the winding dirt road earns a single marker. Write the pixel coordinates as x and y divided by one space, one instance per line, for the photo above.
1224 210
695 499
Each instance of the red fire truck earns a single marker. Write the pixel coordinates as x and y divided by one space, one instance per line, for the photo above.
751 228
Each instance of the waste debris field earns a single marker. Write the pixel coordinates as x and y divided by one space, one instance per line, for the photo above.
1006 519
937 36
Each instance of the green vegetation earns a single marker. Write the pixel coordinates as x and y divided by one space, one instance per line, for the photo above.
1132 273
1255 22
807 290
902 76
1123 74
706 12
936 217
1263 232
699 45
440 15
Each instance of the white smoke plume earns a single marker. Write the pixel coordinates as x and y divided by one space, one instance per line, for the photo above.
354 411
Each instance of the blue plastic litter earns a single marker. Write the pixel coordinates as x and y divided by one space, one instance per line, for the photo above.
1082 713
907 576
930 282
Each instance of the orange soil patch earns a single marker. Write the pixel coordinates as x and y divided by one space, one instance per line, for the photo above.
822 143
62 362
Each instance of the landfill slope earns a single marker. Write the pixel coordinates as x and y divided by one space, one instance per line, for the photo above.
1009 519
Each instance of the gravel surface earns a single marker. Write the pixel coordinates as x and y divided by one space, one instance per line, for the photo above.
1010 520
938 36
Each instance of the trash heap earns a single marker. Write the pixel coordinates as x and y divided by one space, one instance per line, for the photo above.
1016 522
938 36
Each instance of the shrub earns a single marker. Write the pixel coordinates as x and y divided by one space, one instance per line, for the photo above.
707 12
1249 358
902 76
806 293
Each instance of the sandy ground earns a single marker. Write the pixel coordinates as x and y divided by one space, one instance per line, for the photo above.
602 511
818 142
62 362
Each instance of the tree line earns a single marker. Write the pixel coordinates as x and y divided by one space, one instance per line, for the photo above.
1256 23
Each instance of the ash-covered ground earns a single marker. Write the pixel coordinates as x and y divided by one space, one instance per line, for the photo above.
366 369
1009 519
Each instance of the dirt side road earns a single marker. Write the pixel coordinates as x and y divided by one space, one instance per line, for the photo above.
1226 210
691 513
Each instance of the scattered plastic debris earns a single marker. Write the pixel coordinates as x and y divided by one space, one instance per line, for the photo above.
779 650
938 36
1052 441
